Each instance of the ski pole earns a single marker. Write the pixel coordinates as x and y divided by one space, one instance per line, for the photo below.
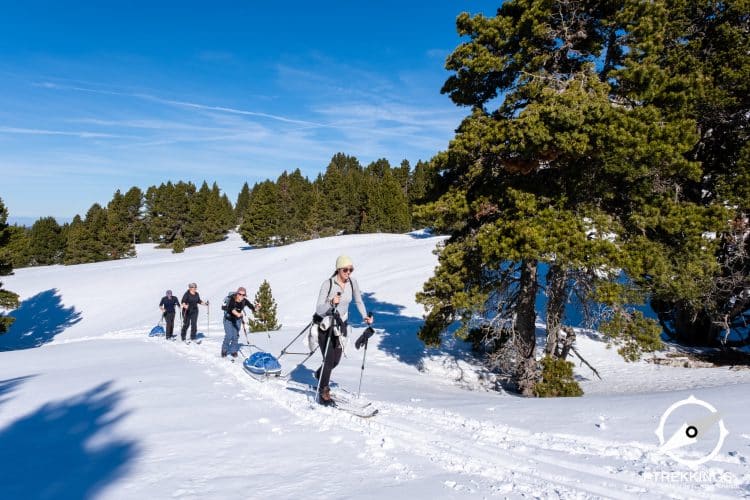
283 351
325 352
364 357
361 374
323 366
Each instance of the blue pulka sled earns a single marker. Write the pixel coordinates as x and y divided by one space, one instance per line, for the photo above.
156 331
262 363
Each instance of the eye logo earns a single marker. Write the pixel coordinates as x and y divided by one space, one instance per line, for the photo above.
692 432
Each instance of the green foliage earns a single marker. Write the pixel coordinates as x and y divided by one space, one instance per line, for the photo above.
131 214
8 299
557 379
168 211
295 200
17 250
592 160
243 201
178 245
46 244
264 319
632 333
261 224
385 206
85 243
117 234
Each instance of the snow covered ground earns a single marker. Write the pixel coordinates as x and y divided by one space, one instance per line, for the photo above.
91 407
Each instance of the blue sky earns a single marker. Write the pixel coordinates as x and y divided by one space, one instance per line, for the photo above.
95 98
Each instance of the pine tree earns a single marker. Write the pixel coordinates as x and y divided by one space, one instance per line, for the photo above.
260 226
74 245
46 244
8 299
706 43
264 319
590 138
217 218
132 213
243 201
85 242
342 193
401 174
168 212
296 201
117 235
17 249
196 230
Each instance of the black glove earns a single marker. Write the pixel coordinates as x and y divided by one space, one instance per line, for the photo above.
362 340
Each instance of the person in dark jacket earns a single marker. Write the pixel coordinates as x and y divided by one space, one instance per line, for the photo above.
233 318
167 306
190 301
336 293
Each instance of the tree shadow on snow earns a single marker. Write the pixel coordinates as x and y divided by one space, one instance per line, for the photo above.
38 320
8 386
397 336
65 449
398 333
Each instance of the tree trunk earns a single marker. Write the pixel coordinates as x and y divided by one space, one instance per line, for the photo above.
526 329
556 293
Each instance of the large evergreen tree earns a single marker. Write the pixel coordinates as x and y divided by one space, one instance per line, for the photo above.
132 208
243 200
574 162
260 226
341 195
708 41
85 237
168 212
46 243
385 207
8 299
17 249
295 202
117 234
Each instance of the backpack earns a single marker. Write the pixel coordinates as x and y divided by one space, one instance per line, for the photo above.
227 300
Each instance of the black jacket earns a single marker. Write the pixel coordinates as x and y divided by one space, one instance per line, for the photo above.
237 306
169 303
192 301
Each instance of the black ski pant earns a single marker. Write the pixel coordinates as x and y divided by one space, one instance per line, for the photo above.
169 321
332 357
190 318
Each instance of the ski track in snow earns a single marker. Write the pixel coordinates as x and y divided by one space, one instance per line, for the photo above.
498 459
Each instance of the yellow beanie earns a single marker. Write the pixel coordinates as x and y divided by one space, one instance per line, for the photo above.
343 261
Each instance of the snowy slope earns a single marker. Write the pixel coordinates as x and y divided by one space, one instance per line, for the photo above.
100 410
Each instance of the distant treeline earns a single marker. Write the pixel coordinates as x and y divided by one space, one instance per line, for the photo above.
347 198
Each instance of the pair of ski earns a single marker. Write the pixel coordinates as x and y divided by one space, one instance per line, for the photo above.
345 400
187 342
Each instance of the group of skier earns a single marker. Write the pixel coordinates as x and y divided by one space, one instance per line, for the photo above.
189 310
331 318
